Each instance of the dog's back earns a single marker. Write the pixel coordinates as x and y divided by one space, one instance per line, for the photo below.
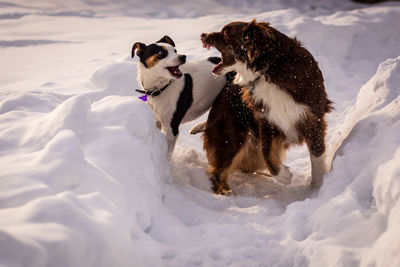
206 86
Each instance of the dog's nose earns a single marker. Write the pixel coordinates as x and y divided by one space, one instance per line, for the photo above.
182 58
203 35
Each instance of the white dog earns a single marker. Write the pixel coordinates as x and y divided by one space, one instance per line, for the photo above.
173 98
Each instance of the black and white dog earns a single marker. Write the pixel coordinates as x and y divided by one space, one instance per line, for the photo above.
173 98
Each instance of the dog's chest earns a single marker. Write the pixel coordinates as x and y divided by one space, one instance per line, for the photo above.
279 107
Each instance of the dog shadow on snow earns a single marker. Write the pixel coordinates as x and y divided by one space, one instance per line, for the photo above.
189 168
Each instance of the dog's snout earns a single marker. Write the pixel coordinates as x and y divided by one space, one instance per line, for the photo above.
182 58
203 35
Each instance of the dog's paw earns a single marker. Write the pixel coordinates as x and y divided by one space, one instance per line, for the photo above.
198 128
285 175
220 187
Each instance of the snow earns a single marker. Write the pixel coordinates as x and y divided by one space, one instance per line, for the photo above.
84 177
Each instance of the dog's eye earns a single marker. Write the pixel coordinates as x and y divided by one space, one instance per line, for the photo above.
162 53
225 33
175 50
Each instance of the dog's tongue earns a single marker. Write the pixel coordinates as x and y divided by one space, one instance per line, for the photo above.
175 71
217 68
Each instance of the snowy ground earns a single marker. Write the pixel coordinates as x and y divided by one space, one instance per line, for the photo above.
84 179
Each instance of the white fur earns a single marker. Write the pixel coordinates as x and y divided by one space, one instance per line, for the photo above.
158 75
280 107
244 74
282 110
318 169
206 88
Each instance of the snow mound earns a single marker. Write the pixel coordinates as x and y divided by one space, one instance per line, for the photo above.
362 189
90 188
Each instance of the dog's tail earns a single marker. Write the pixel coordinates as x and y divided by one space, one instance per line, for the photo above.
329 106
198 128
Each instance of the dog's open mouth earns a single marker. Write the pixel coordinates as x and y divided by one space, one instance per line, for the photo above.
219 66
208 46
175 71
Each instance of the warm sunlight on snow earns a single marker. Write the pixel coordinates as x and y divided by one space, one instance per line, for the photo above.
84 177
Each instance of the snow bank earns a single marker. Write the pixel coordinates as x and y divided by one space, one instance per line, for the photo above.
375 169
360 195
87 187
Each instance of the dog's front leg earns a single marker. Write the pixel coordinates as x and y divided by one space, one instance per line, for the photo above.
315 138
318 169
171 140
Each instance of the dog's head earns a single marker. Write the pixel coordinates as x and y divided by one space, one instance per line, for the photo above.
250 43
161 57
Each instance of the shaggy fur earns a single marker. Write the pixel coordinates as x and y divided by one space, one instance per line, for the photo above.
282 92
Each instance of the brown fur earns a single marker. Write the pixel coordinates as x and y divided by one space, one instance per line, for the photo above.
153 60
229 138
282 61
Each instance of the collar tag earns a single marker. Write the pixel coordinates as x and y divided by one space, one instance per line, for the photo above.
143 97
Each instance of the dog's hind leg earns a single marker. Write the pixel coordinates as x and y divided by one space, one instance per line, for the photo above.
221 150
274 150
220 159
171 140
270 147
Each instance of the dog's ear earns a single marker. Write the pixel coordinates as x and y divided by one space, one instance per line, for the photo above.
166 39
249 31
139 48
255 31
251 36
257 38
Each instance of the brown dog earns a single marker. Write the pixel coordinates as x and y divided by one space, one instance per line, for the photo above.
280 89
